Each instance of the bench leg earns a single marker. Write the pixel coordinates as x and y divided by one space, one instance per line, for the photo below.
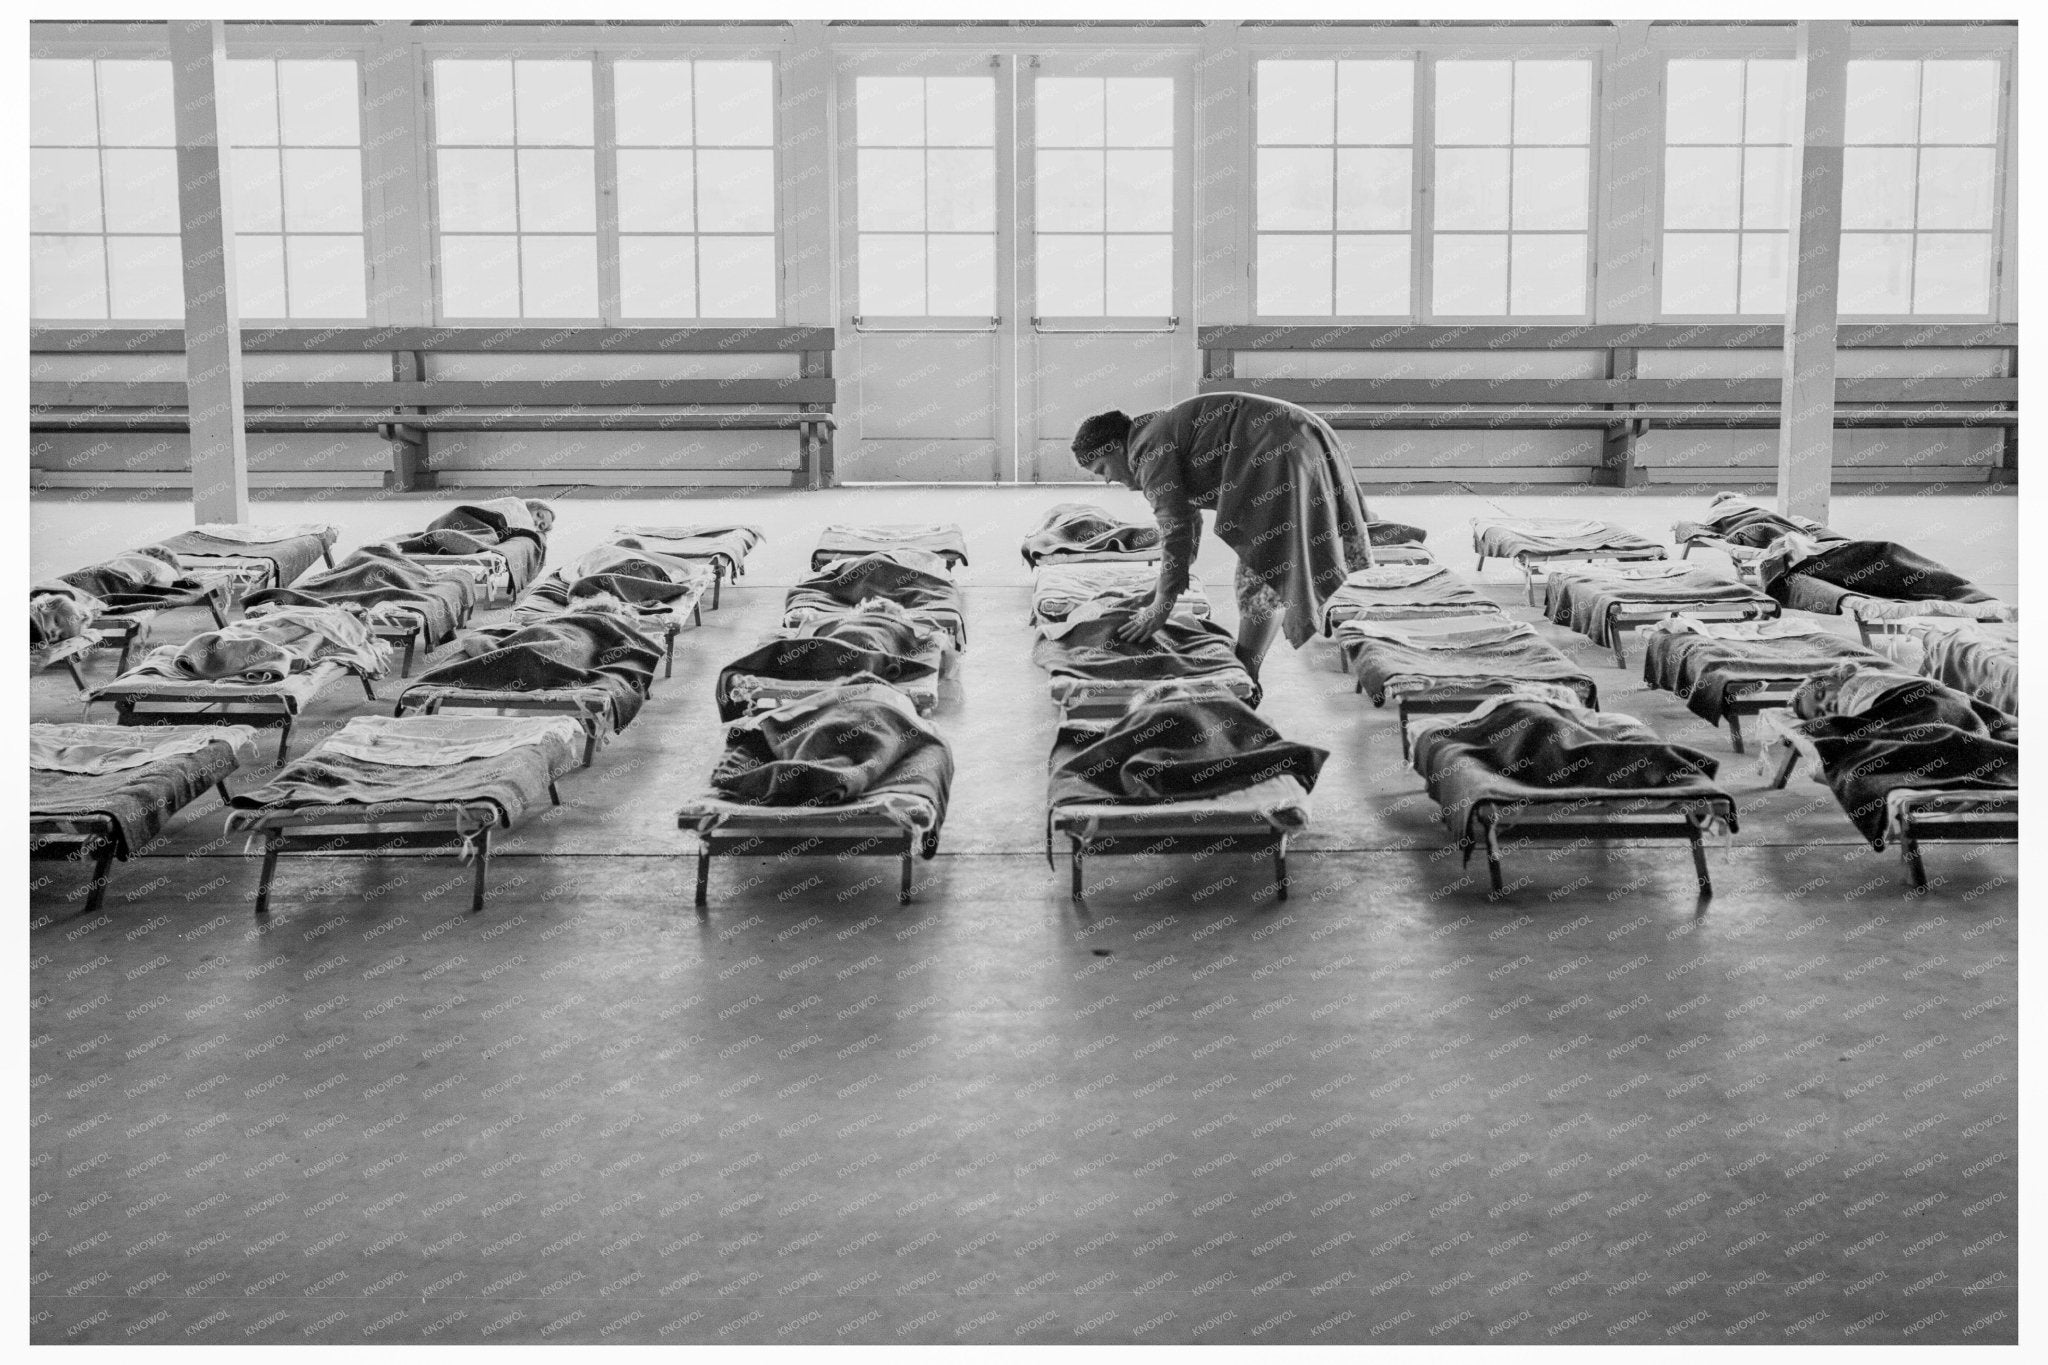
483 868
102 867
1735 731
703 873
269 871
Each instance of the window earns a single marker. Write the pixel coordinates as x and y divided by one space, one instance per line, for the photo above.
103 191
296 168
1731 166
516 188
926 187
1512 186
1103 188
696 177
1919 186
1335 187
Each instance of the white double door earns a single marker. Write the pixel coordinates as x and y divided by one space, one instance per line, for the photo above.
1015 238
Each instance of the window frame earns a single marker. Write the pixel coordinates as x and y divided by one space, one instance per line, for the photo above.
1505 45
1867 42
605 149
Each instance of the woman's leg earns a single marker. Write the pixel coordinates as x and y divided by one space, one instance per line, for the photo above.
1259 612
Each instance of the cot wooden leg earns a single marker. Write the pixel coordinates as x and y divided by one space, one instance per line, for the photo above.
1529 582
269 871
222 787
213 605
102 868
589 743
1699 861
1685 550
1280 868
909 851
1735 731
1480 566
717 585
483 868
77 678
284 740
669 669
1075 860
368 690
1402 717
1493 854
554 794
127 642
703 872
412 640
1781 773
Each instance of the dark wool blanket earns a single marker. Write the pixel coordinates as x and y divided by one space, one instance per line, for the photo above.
839 542
376 575
1175 750
1284 493
1520 751
1082 528
513 782
1185 647
1759 527
819 658
1871 568
1700 669
1919 735
833 747
1377 663
469 529
292 555
1583 602
140 801
849 582
577 649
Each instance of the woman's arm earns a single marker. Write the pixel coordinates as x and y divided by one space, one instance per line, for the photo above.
1180 535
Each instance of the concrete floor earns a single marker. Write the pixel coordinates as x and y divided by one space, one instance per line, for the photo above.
1394 1109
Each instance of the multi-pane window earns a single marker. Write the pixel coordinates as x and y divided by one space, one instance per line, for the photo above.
1104 195
696 188
294 130
1512 187
1919 186
103 191
1731 166
926 195
516 188
1335 187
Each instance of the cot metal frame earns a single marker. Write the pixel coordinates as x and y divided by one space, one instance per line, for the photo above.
385 829
1155 837
82 838
1533 822
1528 560
796 840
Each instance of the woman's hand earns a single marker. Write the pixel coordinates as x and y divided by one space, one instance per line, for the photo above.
1144 623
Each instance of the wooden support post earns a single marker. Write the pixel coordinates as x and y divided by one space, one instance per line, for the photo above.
808 133
408 458
1619 453
1806 423
213 330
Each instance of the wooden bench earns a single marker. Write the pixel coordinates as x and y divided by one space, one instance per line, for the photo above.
1497 389
404 409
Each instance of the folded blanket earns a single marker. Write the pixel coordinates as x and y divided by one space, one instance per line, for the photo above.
1440 632
1871 568
1174 748
378 579
1505 537
835 746
941 539
1700 667
1379 665
1185 647
272 646
141 800
1513 750
1082 528
1406 590
1583 601
577 649
512 777
1911 735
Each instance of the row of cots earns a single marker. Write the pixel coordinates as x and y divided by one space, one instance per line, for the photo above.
829 750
